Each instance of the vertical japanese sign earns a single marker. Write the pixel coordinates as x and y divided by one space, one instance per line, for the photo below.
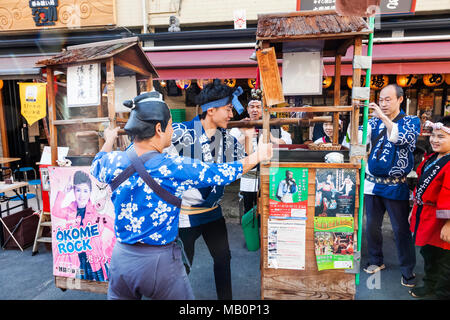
33 101
334 243
83 85
288 190
82 224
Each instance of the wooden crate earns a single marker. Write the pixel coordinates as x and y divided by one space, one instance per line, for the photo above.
308 284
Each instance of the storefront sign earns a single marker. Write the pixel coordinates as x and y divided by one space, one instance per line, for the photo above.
83 85
29 15
33 101
44 12
386 6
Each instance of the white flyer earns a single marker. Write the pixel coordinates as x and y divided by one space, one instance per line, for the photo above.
286 244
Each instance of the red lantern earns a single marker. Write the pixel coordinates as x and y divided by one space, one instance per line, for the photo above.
183 84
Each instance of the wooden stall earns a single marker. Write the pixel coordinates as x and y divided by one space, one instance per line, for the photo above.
81 126
336 34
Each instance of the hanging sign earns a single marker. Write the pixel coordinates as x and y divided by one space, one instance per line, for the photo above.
83 85
433 80
33 101
406 80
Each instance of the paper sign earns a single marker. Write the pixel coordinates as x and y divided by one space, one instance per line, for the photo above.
240 19
46 157
33 101
286 244
83 85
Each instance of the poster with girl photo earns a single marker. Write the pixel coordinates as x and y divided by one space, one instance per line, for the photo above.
335 193
288 190
82 216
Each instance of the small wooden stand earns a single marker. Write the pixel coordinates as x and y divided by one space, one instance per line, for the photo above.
117 56
338 33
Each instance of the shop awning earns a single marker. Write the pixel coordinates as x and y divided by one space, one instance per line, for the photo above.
20 66
392 58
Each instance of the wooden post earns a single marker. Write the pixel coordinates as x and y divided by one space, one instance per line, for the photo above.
3 132
149 84
110 83
337 97
52 115
356 83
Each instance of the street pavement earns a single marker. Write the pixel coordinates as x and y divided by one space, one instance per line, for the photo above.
27 277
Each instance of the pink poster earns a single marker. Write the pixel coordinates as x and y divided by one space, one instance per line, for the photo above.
82 224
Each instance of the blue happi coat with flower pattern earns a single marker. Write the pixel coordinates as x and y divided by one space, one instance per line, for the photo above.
140 215
190 140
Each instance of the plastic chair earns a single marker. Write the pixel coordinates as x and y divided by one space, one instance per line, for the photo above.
35 183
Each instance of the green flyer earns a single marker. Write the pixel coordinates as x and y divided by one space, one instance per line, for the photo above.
288 190
333 242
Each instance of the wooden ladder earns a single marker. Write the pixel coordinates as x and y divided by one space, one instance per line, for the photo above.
44 221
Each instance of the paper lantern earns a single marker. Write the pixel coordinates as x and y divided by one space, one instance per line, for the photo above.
163 83
230 82
183 84
1 84
406 80
201 83
251 83
350 81
447 79
433 80
379 81
327 81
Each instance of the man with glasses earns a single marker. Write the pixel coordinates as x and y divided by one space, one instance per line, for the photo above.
393 136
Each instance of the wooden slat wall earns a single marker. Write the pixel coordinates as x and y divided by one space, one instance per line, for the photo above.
308 284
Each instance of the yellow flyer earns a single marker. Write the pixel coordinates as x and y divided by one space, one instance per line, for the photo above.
33 101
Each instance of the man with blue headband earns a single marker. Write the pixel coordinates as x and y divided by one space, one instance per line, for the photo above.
205 138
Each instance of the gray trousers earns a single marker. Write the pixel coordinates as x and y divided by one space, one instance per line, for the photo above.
156 272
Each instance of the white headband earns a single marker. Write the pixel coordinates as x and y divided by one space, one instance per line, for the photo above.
437 126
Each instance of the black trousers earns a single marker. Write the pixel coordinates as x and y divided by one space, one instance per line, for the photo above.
437 270
216 238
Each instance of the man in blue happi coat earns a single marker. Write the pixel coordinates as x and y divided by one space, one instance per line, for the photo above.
393 136
147 185
205 138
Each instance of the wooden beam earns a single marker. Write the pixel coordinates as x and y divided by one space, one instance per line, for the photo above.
110 81
52 115
132 67
3 131
337 97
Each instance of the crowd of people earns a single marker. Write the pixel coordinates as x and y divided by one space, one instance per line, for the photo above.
175 198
